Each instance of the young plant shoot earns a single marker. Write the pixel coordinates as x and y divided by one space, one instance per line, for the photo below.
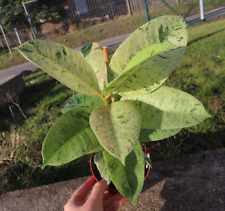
114 107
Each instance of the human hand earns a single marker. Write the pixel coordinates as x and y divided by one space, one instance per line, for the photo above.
97 201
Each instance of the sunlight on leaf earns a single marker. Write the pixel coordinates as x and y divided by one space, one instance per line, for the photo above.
62 63
70 138
117 128
128 179
168 108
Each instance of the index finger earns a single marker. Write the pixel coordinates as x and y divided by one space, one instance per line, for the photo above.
81 193
98 192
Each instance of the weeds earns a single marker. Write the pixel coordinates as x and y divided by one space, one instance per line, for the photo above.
24 128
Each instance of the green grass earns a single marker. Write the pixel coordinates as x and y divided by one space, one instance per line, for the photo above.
21 137
128 24
6 60
201 73
116 27
189 8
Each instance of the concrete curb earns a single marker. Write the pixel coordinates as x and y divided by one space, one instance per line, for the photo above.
11 86
193 183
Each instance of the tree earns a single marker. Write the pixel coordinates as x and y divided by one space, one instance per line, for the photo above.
15 17
47 10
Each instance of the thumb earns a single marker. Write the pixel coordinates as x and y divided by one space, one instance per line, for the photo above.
98 192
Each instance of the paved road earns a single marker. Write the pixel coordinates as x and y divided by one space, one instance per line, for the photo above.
113 42
28 66
210 15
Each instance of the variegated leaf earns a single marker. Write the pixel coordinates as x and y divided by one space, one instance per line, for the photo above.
81 100
70 138
94 54
101 166
156 135
62 63
89 48
128 179
97 60
168 108
146 70
166 30
117 128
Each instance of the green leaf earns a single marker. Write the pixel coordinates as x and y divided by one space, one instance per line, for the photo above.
81 100
156 135
89 48
168 108
96 59
62 63
144 69
70 138
166 30
128 179
94 54
117 128
100 163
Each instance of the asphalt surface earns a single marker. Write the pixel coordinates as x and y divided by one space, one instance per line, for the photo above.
25 68
112 43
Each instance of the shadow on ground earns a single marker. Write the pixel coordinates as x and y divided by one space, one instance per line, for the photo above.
33 95
23 176
195 182
204 37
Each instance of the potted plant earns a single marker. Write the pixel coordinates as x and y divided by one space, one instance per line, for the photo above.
115 106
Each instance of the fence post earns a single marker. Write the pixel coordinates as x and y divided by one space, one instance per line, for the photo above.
170 7
35 28
128 7
17 35
29 19
6 39
146 10
202 10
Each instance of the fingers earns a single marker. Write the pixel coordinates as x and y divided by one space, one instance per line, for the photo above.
98 192
112 200
81 193
110 194
114 206
107 196
95 201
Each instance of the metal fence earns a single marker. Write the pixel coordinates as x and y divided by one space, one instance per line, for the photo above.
47 19
50 18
